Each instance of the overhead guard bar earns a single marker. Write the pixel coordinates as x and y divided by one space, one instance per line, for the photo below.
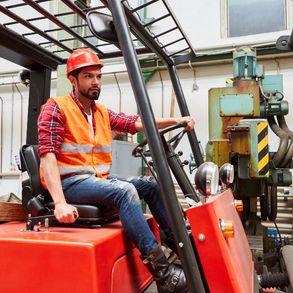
75 8
143 5
174 42
28 54
33 28
157 19
24 4
166 32
62 25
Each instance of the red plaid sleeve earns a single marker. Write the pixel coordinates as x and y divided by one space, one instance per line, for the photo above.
121 122
51 129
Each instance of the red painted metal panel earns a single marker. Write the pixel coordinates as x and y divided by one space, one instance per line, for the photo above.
227 263
129 274
64 259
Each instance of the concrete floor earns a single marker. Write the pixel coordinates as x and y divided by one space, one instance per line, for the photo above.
152 288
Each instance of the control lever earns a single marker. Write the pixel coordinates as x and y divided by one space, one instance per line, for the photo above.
33 224
41 216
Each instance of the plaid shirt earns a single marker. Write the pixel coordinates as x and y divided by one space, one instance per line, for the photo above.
52 128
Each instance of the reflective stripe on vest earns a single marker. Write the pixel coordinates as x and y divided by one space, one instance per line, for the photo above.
84 169
85 149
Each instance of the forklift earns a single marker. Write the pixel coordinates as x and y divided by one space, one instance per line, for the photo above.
94 254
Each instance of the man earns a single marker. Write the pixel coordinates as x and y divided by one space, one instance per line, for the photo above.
75 154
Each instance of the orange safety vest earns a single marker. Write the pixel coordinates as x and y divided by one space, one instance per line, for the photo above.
81 151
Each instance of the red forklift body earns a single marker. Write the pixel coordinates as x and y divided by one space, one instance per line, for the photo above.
227 263
87 260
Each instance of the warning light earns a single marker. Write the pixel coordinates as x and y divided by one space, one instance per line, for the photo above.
239 205
227 228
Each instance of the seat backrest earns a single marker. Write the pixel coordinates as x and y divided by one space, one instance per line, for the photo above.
30 162
33 187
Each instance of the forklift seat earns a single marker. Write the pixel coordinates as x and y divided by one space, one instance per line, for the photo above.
32 188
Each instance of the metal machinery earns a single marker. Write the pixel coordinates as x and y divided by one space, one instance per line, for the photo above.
239 117
214 250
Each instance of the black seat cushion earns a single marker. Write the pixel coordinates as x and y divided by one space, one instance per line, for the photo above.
87 212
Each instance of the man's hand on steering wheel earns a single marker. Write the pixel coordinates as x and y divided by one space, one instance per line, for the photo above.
174 141
163 123
188 120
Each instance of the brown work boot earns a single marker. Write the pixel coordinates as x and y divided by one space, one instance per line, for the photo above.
168 278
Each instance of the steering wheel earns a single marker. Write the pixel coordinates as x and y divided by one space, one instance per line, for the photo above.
174 141
175 164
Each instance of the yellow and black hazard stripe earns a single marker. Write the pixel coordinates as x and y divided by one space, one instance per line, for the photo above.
245 49
229 80
263 149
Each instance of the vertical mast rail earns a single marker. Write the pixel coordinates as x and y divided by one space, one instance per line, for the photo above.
170 199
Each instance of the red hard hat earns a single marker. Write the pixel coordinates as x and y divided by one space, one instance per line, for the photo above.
82 58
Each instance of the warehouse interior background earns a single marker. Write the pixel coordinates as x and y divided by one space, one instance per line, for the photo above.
215 29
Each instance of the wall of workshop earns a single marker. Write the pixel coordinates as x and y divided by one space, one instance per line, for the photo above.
15 107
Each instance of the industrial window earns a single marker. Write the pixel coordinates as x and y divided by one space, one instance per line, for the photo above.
252 17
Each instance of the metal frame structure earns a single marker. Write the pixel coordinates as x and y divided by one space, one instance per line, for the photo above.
36 56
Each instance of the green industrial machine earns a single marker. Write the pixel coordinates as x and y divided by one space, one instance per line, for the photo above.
239 117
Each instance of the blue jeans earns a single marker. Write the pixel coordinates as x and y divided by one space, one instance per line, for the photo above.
123 192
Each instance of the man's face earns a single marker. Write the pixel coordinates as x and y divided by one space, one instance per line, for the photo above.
89 82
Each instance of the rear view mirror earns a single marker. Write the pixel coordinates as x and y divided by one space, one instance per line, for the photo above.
102 26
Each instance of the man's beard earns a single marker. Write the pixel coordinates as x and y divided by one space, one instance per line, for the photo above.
94 96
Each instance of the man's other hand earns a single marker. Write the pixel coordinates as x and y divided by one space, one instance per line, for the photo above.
65 213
